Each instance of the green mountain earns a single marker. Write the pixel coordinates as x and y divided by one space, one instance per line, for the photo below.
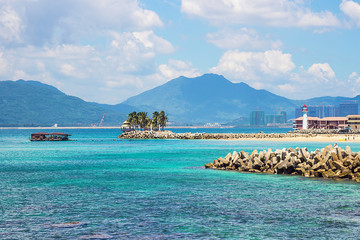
31 103
209 98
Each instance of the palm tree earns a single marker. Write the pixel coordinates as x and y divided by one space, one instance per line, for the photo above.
142 118
163 118
155 120
133 119
149 123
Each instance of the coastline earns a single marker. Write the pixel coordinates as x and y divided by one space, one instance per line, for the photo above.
283 137
334 139
34 128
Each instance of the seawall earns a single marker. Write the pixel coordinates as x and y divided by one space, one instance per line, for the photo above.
328 162
235 136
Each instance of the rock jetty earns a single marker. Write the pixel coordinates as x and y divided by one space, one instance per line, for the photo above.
328 162
172 135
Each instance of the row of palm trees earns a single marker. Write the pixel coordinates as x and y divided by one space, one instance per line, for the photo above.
142 121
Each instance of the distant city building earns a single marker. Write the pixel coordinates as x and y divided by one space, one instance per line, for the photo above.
322 111
319 111
348 109
274 119
257 118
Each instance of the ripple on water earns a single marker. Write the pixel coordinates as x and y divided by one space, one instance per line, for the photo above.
159 190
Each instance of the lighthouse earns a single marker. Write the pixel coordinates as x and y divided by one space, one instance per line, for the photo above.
305 121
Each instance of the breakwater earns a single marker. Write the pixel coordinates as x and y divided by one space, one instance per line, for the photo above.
328 162
233 136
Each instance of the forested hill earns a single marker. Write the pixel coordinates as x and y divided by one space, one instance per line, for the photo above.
31 103
209 98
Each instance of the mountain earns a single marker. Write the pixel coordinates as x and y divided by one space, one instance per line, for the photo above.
327 100
209 98
31 103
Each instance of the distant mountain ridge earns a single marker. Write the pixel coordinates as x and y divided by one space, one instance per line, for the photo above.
207 98
31 103
213 98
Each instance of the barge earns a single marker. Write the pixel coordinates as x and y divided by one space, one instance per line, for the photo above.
43 136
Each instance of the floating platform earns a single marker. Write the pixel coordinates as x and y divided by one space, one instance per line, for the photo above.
43 136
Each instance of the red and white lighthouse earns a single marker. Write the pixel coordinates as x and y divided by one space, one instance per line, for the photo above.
305 121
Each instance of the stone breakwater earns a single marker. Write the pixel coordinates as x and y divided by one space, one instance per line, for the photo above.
328 162
172 135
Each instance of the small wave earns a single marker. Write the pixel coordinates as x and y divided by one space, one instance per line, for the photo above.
68 224
96 236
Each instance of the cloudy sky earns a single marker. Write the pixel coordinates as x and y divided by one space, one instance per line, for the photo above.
109 50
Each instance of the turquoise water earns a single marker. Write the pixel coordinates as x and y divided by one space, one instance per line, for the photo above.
158 189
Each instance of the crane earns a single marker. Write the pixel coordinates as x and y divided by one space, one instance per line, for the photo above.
102 120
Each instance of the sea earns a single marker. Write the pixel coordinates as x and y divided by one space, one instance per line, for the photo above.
98 186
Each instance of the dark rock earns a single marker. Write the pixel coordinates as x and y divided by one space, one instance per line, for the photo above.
328 174
257 163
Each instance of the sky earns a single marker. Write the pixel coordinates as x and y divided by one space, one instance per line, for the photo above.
107 51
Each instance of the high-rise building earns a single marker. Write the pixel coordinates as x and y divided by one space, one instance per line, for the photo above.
348 109
319 111
276 119
257 118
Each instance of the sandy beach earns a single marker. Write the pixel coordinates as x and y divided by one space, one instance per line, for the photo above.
333 138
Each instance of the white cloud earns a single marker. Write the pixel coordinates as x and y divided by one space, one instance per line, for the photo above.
136 51
253 66
354 82
10 24
175 68
20 74
70 71
150 40
352 10
243 38
286 88
255 12
110 75
54 22
354 76
276 72
3 64
322 71
102 51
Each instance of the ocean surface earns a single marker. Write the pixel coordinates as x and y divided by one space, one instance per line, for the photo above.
98 185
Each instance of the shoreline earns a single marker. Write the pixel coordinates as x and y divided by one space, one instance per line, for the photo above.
34 128
284 137
333 139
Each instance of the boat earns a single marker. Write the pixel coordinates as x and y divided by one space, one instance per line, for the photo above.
43 136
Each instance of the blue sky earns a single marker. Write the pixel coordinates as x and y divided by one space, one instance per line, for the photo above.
109 50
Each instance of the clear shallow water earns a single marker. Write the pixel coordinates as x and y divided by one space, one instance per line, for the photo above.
157 189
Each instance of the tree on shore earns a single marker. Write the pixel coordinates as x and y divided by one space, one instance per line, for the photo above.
155 119
163 118
142 121
133 119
